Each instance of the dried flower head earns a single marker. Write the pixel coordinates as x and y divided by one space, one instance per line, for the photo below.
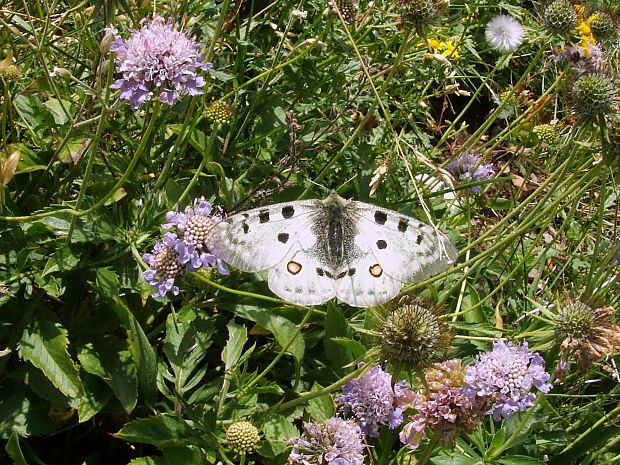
336 441
10 70
504 33
418 12
468 167
158 61
411 334
443 408
371 398
586 333
503 379
242 437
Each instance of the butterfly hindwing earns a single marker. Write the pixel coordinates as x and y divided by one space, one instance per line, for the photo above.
404 247
301 278
260 238
364 283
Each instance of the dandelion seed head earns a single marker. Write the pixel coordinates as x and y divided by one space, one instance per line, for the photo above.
504 33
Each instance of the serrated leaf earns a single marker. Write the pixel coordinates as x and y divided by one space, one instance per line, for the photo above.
14 450
96 396
237 337
44 344
278 430
456 460
141 350
161 431
321 408
284 331
63 259
58 109
109 359
520 460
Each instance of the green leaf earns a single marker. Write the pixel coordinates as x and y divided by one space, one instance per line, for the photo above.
336 326
456 460
497 444
282 329
153 460
44 344
161 431
62 259
278 430
237 337
109 359
14 451
188 455
520 460
96 396
472 312
58 109
321 408
139 346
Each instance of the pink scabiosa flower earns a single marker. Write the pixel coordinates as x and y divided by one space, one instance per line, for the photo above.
504 33
371 399
468 167
335 442
503 379
195 226
443 408
159 61
169 259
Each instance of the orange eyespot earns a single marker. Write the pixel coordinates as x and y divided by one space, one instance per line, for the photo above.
293 267
376 270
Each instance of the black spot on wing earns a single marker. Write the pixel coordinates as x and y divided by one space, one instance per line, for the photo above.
283 237
341 275
320 271
351 271
246 228
419 239
403 225
288 211
381 244
263 216
380 217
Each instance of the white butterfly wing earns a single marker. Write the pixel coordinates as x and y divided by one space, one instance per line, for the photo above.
368 286
301 278
404 247
258 239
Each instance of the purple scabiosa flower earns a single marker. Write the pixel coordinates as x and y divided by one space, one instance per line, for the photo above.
468 167
160 61
168 260
371 400
443 408
335 442
195 225
503 378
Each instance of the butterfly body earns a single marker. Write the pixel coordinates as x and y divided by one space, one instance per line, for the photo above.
315 250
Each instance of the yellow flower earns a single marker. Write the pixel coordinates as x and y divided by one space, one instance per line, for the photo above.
584 30
434 44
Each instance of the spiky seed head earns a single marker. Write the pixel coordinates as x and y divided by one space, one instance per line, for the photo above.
593 95
602 25
546 133
560 17
575 320
219 112
418 12
242 437
412 335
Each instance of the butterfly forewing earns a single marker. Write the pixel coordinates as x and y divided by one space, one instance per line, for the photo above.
404 247
260 238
